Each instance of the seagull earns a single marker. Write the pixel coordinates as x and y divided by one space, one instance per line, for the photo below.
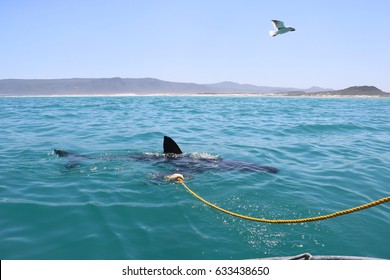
280 28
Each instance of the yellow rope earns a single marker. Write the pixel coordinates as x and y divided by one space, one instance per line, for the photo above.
291 221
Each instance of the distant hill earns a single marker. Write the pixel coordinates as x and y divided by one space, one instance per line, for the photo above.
364 91
230 87
129 85
93 86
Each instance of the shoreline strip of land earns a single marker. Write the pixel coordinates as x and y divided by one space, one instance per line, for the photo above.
154 87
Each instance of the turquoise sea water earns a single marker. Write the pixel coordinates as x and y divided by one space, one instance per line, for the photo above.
332 154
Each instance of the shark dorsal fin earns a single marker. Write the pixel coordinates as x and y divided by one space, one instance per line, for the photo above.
170 146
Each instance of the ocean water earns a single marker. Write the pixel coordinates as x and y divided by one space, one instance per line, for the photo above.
332 154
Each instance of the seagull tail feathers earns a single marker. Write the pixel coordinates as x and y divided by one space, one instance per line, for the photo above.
273 33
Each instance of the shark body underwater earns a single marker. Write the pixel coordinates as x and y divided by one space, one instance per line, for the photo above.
181 162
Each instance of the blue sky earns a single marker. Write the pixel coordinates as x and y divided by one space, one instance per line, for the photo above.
336 44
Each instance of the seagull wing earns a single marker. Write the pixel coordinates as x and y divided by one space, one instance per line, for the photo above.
278 24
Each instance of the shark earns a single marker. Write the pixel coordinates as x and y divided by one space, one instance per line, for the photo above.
181 162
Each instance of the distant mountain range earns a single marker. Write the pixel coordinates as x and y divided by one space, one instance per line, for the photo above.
89 86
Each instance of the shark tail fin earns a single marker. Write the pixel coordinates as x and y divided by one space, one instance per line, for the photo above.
170 146
61 153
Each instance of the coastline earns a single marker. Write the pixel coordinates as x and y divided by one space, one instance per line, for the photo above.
89 87
267 95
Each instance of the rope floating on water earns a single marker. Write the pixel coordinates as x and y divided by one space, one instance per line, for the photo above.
180 178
